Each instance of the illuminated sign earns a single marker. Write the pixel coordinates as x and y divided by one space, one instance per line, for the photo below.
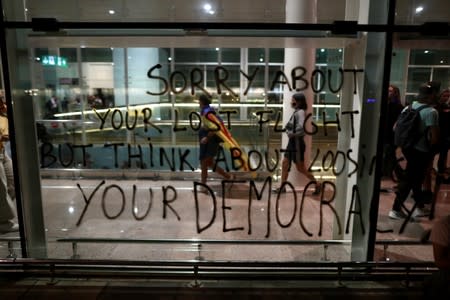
52 60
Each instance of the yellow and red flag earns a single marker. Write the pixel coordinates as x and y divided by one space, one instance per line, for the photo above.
215 123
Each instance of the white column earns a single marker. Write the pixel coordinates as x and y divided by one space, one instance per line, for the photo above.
130 75
299 11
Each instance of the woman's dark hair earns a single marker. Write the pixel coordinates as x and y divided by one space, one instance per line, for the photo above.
301 100
204 99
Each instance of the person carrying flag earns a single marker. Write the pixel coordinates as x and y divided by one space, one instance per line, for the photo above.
209 141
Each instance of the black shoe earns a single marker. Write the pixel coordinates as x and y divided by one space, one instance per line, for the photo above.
279 190
318 189
8 227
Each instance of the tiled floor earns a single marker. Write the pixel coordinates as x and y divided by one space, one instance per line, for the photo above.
109 214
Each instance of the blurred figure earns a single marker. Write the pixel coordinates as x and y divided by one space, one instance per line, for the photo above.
443 109
394 109
441 148
438 285
7 190
51 107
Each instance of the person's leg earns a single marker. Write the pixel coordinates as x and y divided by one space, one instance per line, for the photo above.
300 163
284 169
285 165
7 210
210 163
426 185
204 163
302 169
442 161
403 188
420 170
9 177
223 173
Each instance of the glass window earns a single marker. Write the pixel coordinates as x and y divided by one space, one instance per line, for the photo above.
230 55
429 57
417 77
120 132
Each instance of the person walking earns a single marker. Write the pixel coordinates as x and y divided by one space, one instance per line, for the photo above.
209 144
295 150
418 156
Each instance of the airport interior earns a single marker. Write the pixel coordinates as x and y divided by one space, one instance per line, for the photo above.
106 191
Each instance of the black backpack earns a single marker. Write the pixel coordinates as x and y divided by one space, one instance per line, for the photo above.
407 132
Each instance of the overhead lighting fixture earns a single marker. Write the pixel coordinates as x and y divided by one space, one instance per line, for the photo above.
111 11
419 9
426 51
208 9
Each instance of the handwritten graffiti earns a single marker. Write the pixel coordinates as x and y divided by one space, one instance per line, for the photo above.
179 159
205 218
298 80
116 201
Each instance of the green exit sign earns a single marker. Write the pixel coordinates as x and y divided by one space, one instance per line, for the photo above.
55 61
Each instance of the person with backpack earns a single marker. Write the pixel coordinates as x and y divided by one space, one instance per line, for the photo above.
416 133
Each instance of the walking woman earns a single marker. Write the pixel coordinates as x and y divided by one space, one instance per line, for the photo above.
295 150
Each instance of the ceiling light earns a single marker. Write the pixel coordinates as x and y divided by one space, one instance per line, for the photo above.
111 11
426 51
419 9
208 9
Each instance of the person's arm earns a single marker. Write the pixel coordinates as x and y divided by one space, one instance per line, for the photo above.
210 134
299 120
434 135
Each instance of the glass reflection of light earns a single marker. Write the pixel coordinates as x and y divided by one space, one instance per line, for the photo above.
71 209
208 9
